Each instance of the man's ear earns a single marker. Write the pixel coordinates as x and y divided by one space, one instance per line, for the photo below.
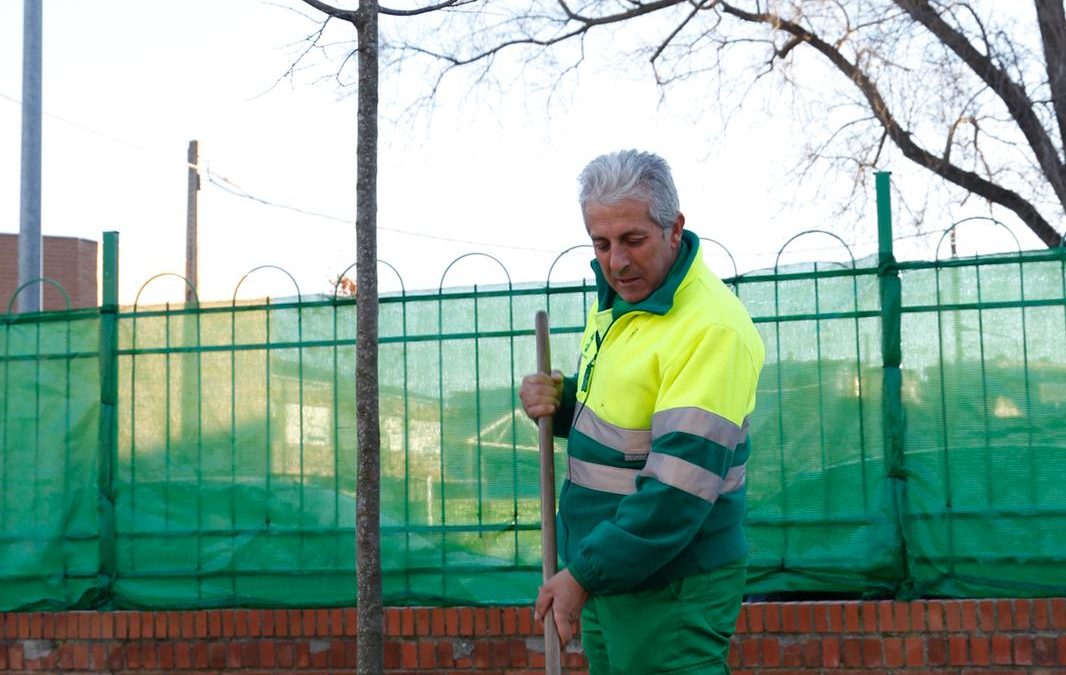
676 229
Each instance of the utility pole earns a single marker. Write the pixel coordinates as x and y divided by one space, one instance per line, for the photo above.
30 268
191 252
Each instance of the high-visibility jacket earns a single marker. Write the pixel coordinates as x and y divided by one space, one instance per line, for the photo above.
657 424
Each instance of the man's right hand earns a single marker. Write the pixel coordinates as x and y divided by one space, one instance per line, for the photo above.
541 394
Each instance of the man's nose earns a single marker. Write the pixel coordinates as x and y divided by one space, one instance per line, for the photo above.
619 259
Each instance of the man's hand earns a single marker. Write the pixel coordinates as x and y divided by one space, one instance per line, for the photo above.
564 597
541 394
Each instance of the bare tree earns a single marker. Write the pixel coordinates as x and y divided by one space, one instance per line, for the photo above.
974 92
370 615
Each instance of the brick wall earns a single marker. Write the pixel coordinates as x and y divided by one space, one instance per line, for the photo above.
965 636
71 262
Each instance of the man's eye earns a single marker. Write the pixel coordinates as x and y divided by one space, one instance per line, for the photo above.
635 241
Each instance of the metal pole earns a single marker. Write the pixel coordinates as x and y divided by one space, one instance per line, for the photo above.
30 205
191 251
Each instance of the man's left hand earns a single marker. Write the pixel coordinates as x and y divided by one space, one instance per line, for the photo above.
565 598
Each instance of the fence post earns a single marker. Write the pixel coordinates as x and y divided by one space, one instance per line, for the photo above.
108 437
893 421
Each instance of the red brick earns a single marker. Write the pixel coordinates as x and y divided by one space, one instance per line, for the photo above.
336 622
228 629
392 654
216 655
85 625
160 621
81 656
934 616
422 622
525 622
986 612
48 625
23 630
893 652
481 621
266 623
1001 649
437 619
869 617
1043 651
790 617
969 615
820 616
1023 650
852 653
936 649
733 659
166 656
267 655
812 652
749 652
409 655
770 652
772 617
510 621
322 622
1022 620
201 624
295 619
351 622
249 653
519 655
1041 616
201 657
182 656
851 617
871 652
918 610
980 651
952 616
957 651
836 618
501 652
286 654
482 656
915 648
1004 615
392 622
466 621
884 616
791 654
901 616
445 655
755 618
214 623
495 621
1062 650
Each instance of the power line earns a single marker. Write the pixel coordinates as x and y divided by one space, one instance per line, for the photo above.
230 187
76 125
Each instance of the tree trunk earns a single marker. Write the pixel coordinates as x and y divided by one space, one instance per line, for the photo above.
368 482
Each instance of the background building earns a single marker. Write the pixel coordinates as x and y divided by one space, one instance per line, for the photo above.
69 261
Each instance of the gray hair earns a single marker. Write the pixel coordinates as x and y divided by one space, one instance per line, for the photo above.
630 174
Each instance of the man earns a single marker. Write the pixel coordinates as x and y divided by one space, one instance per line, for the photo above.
650 514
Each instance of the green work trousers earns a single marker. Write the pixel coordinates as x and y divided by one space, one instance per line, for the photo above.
682 628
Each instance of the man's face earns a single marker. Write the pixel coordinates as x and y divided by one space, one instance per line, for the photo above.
634 252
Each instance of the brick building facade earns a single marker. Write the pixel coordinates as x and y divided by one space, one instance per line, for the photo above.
69 261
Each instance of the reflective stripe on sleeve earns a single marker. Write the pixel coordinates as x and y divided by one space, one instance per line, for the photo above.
633 443
695 480
601 477
699 422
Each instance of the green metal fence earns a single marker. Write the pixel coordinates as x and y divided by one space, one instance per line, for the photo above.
908 440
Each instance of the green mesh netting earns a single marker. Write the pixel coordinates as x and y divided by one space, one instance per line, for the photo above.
231 477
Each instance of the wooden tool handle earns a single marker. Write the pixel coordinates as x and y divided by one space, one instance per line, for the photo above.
552 656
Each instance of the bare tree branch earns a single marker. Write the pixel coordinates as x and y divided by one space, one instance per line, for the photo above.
1051 16
1018 102
903 139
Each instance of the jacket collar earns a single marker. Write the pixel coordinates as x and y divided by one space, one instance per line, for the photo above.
661 299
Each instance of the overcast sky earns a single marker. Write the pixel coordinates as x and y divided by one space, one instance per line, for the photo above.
128 83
